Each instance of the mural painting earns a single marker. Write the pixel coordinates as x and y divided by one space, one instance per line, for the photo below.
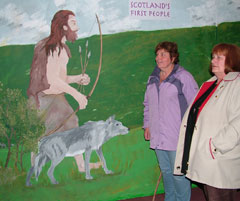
72 65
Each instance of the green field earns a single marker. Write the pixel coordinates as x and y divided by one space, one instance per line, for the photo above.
128 59
129 157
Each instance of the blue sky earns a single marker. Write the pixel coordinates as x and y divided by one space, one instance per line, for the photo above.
28 21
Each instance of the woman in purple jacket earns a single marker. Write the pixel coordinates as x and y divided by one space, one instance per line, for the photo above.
170 89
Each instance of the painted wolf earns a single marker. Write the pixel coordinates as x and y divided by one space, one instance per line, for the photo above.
86 138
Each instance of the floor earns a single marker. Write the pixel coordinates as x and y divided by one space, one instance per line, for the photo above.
197 195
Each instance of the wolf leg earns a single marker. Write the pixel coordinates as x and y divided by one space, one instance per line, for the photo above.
87 160
40 160
100 155
29 175
54 163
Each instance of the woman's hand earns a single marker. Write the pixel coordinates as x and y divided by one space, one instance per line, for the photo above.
147 134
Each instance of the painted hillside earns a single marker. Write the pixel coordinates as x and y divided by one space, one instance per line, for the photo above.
128 59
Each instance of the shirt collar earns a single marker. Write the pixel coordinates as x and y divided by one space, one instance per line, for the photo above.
229 77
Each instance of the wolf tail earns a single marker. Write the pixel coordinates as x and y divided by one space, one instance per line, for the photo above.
40 160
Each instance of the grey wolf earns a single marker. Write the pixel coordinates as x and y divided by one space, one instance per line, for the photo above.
84 139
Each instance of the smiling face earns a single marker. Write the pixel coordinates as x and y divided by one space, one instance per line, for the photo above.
163 60
218 65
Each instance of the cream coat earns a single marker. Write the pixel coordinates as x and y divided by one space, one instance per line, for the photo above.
219 121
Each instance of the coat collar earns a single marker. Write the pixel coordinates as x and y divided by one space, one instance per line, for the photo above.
157 71
229 77
155 76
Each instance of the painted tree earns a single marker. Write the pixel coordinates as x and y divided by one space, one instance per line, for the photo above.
19 125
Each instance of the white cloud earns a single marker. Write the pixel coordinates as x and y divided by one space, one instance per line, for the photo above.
91 6
12 15
111 17
232 13
125 24
236 2
85 7
36 19
205 14
213 12
23 27
114 21
60 3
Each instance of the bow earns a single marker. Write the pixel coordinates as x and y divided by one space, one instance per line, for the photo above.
94 85
100 60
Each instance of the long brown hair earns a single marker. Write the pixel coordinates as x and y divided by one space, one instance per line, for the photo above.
57 32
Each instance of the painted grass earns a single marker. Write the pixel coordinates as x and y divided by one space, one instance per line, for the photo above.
135 174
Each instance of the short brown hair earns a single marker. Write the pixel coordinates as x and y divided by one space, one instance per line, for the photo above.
170 47
232 54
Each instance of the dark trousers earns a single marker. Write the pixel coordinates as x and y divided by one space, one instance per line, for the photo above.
217 194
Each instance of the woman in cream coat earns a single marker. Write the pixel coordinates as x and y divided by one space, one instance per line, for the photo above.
208 149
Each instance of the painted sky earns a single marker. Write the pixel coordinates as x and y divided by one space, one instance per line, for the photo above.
28 21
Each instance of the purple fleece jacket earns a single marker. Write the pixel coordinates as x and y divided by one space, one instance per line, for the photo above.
165 104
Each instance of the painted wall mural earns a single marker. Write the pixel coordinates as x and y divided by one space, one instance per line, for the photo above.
22 17
85 69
